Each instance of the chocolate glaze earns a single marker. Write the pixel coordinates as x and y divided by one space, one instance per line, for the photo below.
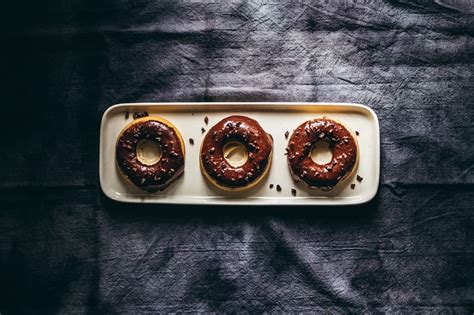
341 143
247 131
159 175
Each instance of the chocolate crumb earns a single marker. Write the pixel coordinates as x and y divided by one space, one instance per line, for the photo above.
359 178
140 115
206 120
293 192
357 133
191 141
278 188
353 186
287 133
271 186
203 130
127 114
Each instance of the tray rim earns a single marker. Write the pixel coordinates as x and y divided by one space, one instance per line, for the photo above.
231 202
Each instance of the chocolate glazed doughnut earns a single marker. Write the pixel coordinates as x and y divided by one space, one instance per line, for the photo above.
342 144
251 135
163 171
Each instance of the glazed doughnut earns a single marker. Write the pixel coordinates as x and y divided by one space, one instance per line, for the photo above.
160 172
342 143
250 134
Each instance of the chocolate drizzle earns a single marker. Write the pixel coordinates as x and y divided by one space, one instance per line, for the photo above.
159 175
246 131
341 143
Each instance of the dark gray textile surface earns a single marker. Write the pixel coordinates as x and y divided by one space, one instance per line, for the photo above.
64 247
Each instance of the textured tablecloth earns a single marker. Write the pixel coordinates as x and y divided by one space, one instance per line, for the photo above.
64 247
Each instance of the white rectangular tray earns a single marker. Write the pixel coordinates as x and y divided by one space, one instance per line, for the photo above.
276 119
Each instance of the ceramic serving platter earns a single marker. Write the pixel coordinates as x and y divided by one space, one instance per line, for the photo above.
276 119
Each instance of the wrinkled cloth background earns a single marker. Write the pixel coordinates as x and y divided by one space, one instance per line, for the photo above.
66 248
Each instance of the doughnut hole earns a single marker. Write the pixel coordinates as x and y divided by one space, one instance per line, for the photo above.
148 152
235 153
321 153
